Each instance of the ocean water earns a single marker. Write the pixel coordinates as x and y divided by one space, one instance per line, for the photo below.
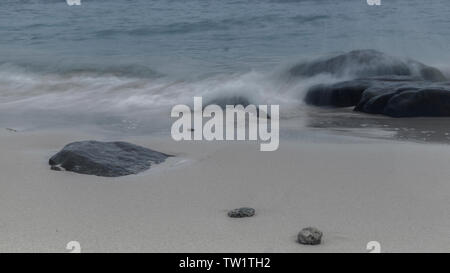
122 64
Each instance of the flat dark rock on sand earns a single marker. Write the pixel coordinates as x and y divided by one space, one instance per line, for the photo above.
109 159
241 212
387 86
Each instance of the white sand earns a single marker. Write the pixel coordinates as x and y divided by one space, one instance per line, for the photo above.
395 193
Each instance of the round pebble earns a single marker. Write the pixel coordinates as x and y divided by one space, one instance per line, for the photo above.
310 236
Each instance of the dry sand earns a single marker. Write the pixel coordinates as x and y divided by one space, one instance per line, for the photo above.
397 193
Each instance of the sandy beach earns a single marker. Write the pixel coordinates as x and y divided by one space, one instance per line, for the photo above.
355 190
328 117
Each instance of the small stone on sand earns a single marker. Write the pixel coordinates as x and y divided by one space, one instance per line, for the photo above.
310 236
241 212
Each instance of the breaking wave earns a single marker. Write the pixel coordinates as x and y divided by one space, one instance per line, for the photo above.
136 91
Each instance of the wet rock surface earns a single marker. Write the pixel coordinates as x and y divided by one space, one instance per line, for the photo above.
383 85
392 96
108 159
366 63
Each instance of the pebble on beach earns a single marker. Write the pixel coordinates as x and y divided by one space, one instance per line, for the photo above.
310 236
241 212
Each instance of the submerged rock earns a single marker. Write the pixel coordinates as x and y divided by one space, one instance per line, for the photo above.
366 63
310 236
233 100
109 159
241 212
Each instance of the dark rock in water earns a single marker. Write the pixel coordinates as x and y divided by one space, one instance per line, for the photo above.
367 63
241 212
391 96
310 236
342 94
235 100
350 93
109 159
422 102
229 100
383 85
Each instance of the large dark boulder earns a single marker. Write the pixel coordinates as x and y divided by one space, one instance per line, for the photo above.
381 84
352 92
366 63
109 159
391 96
421 102
343 94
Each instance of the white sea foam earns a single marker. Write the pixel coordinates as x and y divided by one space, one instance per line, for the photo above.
100 93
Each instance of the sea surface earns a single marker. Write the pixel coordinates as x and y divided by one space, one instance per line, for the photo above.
122 64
